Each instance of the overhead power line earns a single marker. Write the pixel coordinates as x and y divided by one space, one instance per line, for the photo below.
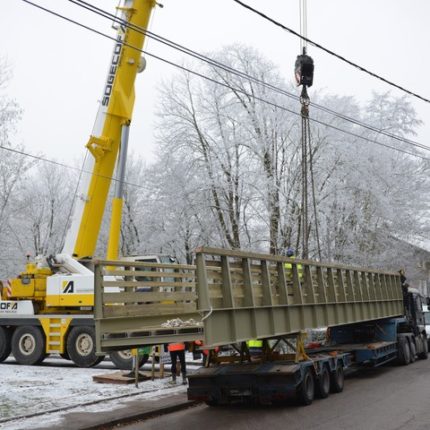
67 166
239 90
328 51
211 61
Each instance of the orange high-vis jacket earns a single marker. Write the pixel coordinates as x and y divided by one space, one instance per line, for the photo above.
176 347
205 351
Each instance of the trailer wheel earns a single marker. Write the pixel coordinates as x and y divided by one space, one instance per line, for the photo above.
81 347
424 354
413 349
323 383
124 360
5 346
404 353
65 356
337 379
306 390
28 345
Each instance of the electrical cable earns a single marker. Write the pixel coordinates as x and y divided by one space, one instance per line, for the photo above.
57 163
69 216
223 84
211 61
80 170
187 51
328 51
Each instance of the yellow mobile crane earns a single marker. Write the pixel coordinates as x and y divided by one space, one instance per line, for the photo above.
49 307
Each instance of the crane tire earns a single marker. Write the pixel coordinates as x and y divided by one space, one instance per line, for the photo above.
28 345
337 379
323 383
5 345
81 346
124 360
65 356
306 390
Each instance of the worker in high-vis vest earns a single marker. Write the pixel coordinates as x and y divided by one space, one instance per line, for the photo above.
177 351
205 352
289 267
255 348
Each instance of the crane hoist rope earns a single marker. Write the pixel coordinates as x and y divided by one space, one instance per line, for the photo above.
304 71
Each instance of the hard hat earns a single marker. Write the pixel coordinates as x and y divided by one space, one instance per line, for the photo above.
290 252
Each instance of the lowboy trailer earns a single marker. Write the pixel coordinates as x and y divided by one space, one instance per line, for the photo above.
231 297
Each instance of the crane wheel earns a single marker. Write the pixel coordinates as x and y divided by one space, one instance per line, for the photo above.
5 345
81 346
124 360
337 379
306 390
28 345
65 356
323 383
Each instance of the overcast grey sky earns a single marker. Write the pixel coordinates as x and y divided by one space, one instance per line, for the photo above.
59 69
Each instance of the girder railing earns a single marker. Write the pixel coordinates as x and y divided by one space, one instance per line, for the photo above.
247 295
232 296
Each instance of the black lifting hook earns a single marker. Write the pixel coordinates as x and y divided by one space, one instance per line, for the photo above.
304 69
305 100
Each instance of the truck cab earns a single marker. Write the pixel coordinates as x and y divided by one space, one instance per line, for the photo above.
426 311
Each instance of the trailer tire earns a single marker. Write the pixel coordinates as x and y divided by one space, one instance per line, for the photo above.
337 379
424 354
404 353
5 345
28 345
123 360
323 383
306 390
413 350
81 346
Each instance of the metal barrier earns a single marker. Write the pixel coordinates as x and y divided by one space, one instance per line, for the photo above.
134 302
232 296
248 295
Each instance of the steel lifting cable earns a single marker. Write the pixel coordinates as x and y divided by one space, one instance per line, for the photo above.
304 69
304 100
307 170
314 200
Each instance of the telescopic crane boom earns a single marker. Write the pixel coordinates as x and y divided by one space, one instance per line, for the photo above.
115 113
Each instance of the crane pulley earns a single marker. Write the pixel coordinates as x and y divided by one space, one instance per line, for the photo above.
304 70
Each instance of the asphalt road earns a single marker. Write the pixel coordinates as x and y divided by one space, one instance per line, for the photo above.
388 398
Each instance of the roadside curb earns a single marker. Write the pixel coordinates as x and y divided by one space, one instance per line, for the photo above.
137 410
145 415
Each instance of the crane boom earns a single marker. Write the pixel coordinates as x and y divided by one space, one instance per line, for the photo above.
115 111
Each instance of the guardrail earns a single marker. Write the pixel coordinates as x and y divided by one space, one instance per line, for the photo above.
232 296
248 295
134 302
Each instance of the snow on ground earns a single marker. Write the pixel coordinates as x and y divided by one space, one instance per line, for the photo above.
57 386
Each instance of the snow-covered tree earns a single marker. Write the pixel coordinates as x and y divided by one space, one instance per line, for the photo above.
13 169
245 154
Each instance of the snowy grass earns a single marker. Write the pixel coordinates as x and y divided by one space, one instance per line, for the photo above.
56 385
